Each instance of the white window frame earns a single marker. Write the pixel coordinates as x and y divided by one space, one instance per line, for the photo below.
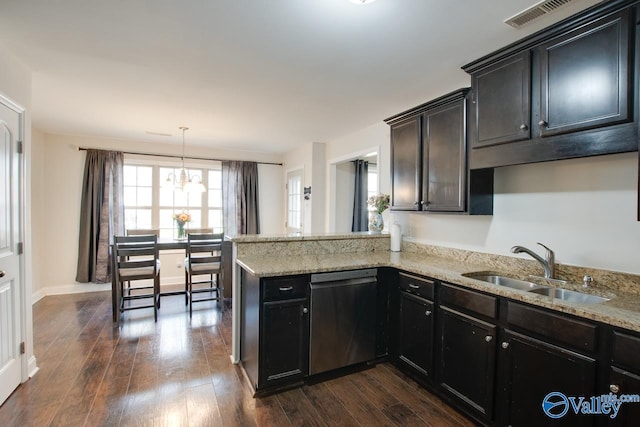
200 169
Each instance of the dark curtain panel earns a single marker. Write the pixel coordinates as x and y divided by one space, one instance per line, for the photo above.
240 210
101 214
360 214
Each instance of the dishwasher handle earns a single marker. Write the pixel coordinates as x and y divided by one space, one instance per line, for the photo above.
346 282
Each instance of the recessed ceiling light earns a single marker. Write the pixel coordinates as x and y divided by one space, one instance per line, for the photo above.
362 1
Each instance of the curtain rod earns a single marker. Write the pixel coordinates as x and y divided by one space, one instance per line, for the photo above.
173 156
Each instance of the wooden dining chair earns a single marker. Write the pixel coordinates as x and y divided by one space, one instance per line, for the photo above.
142 232
204 258
199 231
136 259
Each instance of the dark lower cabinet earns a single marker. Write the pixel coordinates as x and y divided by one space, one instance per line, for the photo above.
624 382
415 333
468 359
284 355
533 369
274 330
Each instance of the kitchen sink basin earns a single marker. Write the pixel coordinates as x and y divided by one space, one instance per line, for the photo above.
571 296
523 285
505 281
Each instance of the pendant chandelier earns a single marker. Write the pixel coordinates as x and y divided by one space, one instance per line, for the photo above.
186 183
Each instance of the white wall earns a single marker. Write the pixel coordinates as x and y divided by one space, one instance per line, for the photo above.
15 84
584 209
61 186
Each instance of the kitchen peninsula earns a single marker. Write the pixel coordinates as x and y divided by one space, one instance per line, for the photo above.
598 333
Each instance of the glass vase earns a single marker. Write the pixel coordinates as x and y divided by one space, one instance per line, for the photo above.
182 233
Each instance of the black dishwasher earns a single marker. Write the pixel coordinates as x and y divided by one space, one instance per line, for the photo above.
343 319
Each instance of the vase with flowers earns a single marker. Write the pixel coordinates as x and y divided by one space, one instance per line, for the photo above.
379 203
181 219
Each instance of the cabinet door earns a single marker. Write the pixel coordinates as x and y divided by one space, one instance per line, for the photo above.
284 350
444 158
416 332
467 359
586 78
406 149
623 382
535 369
501 102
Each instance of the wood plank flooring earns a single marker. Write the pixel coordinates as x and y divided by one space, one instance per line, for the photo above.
177 372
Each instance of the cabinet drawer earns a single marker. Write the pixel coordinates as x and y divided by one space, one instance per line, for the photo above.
575 333
474 302
417 286
626 351
285 288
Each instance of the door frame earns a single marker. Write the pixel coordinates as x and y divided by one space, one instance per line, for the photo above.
25 318
297 171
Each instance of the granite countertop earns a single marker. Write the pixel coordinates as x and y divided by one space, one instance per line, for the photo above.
622 310
261 238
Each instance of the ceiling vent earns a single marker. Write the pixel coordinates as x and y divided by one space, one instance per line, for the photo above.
536 11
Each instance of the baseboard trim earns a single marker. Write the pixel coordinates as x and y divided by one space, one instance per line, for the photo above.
32 366
78 288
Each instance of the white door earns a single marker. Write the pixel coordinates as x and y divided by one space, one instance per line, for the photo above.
294 202
10 277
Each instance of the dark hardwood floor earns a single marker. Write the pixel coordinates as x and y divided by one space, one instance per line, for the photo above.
177 372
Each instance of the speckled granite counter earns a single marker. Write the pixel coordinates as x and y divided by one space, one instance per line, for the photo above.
623 310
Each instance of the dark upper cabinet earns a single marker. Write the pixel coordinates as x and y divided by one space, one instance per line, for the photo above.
501 106
533 369
564 92
429 160
444 158
406 149
585 77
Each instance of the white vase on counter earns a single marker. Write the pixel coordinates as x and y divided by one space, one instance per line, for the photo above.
396 237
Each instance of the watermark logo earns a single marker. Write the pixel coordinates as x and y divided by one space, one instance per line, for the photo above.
557 405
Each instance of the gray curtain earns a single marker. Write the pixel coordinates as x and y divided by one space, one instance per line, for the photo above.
101 214
360 214
240 198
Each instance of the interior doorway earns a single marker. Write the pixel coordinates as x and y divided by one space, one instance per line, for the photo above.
342 177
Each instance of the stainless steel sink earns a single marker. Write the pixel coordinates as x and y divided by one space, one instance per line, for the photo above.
523 285
571 296
505 281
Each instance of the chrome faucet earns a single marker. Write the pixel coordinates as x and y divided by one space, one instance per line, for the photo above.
548 263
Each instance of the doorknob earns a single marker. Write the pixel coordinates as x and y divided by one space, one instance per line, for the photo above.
2 273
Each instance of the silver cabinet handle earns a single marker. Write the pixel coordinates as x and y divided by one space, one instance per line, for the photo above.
286 289
427 313
412 286
542 123
2 273
614 388
305 310
488 338
524 127
505 345
416 203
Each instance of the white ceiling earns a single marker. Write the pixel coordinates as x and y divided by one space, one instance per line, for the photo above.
260 75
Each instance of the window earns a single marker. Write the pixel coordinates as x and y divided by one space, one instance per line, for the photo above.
294 202
151 198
